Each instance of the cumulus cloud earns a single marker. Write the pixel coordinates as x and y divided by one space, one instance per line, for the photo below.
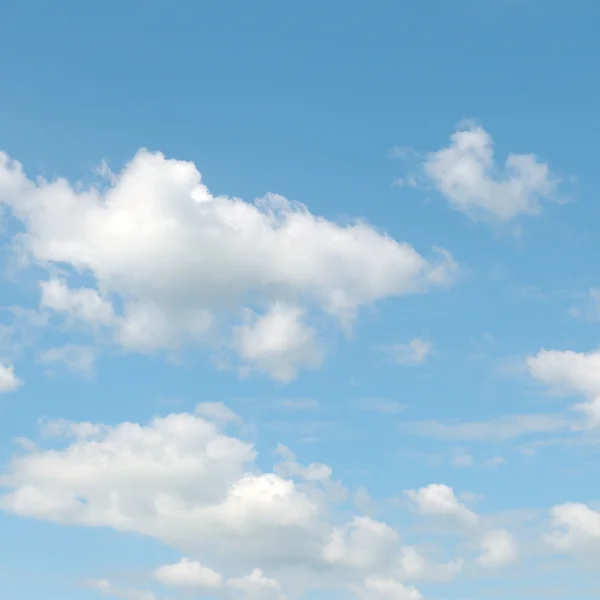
576 528
9 382
168 264
498 549
184 480
190 574
466 174
379 588
278 343
440 500
256 586
571 372
364 543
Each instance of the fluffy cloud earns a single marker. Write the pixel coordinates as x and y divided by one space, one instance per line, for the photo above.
363 543
170 264
183 480
439 499
572 372
190 574
378 588
499 549
278 343
9 382
465 173
576 528
256 586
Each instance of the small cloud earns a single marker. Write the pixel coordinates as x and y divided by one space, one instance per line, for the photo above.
438 499
79 359
408 181
9 382
403 153
500 429
413 353
499 549
467 175
216 411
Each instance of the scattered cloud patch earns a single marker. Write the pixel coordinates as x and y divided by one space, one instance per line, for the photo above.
499 549
440 500
466 174
79 359
9 382
576 529
412 353
500 429
189 574
568 371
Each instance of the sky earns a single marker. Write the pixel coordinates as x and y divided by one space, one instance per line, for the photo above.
299 300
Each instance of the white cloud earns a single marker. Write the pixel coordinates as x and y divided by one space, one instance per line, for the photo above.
179 479
82 304
439 499
290 468
256 586
571 372
108 589
216 411
190 574
499 549
76 358
412 566
278 343
576 528
9 382
170 264
183 481
379 588
413 353
364 543
465 173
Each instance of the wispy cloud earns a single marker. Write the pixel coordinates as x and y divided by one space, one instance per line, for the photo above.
500 429
412 353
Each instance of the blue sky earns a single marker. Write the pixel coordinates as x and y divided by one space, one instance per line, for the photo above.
299 300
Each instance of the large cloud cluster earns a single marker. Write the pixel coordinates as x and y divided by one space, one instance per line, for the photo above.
165 263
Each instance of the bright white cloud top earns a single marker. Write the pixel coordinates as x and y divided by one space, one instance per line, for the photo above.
183 265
